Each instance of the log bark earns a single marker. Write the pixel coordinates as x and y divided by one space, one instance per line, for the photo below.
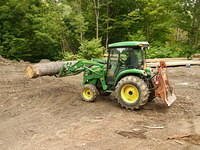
42 69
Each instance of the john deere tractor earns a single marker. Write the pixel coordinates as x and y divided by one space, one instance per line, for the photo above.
125 73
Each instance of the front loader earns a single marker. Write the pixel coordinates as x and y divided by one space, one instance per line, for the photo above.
126 74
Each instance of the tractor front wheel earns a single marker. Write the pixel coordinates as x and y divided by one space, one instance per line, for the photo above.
132 92
89 93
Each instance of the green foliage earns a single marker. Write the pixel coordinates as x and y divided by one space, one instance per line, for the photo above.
31 30
76 26
137 37
164 52
70 56
38 29
91 49
169 51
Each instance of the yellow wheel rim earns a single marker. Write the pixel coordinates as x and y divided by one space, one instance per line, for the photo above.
129 93
87 94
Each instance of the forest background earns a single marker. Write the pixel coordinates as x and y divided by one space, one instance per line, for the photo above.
71 29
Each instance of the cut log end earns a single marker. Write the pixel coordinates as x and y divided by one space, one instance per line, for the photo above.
30 73
43 69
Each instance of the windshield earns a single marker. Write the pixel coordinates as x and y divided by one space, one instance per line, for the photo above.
129 57
121 59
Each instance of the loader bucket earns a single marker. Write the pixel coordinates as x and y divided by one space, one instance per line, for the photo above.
163 89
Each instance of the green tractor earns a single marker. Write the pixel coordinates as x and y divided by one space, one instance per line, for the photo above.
125 73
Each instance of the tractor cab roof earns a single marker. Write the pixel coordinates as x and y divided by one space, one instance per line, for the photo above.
129 44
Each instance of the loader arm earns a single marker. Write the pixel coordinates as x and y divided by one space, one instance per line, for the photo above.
93 71
69 69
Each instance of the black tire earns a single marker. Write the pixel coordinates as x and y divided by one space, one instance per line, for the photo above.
151 92
89 93
142 91
151 96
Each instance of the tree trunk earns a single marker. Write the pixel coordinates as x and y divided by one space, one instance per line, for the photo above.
96 10
80 11
107 26
42 69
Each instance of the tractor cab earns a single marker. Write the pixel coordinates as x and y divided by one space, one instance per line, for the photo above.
124 56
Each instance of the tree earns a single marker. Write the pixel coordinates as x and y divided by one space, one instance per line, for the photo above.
30 29
91 49
191 21
36 29
96 4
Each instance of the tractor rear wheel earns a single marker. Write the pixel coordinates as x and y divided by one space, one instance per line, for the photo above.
132 92
89 93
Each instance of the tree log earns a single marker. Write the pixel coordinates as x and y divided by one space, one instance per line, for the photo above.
42 69
53 68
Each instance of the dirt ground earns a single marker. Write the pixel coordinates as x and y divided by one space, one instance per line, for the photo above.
47 114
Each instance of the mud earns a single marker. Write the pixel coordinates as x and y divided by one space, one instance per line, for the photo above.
47 113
